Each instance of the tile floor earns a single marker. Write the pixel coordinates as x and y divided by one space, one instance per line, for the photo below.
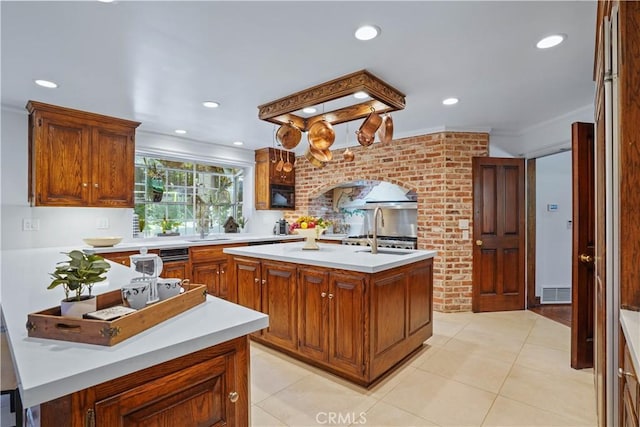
490 369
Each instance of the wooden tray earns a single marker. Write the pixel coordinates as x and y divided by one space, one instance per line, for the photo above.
49 324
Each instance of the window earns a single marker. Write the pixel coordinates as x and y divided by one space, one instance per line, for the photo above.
172 196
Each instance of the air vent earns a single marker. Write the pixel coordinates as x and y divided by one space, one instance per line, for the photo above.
555 295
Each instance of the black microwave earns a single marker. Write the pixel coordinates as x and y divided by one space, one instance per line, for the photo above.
283 196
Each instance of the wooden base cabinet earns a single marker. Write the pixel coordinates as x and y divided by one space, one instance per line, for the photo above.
629 387
206 388
209 267
269 287
356 325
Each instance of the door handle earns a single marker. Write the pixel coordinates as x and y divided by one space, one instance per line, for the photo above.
479 242
587 259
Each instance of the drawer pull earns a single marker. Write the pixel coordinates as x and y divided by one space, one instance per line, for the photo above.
234 396
623 373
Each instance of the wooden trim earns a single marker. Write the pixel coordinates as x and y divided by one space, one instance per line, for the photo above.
532 300
84 115
386 98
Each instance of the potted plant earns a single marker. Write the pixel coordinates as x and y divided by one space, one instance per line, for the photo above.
167 225
155 181
76 275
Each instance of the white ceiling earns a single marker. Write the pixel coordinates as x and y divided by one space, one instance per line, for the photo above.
155 62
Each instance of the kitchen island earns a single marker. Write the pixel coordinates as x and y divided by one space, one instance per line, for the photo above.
341 308
192 368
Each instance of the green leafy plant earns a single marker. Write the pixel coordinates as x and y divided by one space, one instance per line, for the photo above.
168 224
79 273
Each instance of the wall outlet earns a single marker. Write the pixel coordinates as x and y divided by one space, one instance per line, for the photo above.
465 235
30 224
102 223
463 224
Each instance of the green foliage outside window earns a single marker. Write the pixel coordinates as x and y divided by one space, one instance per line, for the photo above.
194 195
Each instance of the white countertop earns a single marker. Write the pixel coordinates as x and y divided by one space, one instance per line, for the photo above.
188 241
630 321
48 369
330 255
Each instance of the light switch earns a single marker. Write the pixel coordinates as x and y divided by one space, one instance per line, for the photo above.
463 224
102 223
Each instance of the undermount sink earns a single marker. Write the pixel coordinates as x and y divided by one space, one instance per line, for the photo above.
207 239
386 252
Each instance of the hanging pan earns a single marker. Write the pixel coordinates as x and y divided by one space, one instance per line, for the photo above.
289 135
321 135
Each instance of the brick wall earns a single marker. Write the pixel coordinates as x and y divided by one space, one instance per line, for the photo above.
438 168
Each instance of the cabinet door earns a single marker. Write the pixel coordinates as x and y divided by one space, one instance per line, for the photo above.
313 291
61 172
196 396
176 269
262 179
419 300
207 274
279 302
346 322
112 162
223 285
248 282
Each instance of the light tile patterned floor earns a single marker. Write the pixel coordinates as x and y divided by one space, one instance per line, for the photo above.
489 369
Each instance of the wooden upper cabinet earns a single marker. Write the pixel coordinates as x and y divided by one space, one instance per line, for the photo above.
266 175
79 159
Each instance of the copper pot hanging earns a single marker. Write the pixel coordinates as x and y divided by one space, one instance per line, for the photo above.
318 158
385 132
367 132
321 135
289 135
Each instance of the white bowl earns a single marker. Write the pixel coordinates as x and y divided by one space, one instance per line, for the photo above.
101 242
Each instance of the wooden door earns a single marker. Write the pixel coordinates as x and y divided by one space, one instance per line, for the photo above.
346 322
199 397
279 302
113 163
498 234
583 246
313 321
207 274
62 173
248 283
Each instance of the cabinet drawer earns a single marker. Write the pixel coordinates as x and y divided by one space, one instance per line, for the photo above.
210 253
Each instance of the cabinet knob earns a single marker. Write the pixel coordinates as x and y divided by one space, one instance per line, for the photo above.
323 294
256 280
264 281
623 373
95 185
330 296
234 396
84 184
217 272
221 271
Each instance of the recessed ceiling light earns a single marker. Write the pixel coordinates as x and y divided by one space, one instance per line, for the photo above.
105 1
180 131
551 41
238 143
450 101
211 104
367 32
309 110
46 83
361 95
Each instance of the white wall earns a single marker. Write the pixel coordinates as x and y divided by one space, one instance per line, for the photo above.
61 226
553 236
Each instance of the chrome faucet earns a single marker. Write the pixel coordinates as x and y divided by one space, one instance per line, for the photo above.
374 243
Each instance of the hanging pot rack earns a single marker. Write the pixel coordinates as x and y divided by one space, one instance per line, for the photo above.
384 98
